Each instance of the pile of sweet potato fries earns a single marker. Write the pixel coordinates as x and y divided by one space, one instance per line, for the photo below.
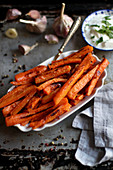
44 93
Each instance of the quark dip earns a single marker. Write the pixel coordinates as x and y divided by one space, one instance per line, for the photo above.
99 31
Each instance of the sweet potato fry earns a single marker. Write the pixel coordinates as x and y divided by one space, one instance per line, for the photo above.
37 124
104 63
64 62
55 73
21 105
57 112
34 101
6 110
80 96
13 92
77 99
42 110
16 83
53 115
47 83
81 83
86 63
13 120
47 90
49 97
12 97
31 112
41 115
79 54
30 74
25 117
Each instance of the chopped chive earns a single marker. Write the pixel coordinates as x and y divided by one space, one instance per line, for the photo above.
92 37
95 25
107 18
99 40
87 24
111 28
106 22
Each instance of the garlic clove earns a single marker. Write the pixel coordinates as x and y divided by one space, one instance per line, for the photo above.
25 49
62 24
51 38
11 33
13 14
34 14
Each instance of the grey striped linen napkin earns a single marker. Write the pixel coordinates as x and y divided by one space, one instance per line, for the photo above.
96 122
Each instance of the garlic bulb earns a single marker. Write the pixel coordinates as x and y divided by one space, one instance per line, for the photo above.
37 26
13 14
62 24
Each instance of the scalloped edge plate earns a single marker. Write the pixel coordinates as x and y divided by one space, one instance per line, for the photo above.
87 20
74 108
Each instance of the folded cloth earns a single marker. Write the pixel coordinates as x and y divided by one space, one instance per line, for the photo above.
96 122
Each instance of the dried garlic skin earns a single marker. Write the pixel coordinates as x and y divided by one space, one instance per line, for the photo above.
11 33
39 26
62 26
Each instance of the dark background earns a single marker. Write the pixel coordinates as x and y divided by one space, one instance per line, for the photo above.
78 6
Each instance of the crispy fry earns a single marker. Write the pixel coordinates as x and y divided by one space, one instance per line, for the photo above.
81 83
13 120
24 117
53 115
47 90
58 112
13 92
79 54
6 110
64 62
37 124
41 108
77 99
32 115
86 63
44 110
34 101
31 112
104 63
30 74
55 73
49 97
14 96
16 83
21 105
47 83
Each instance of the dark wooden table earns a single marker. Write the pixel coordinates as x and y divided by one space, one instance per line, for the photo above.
54 147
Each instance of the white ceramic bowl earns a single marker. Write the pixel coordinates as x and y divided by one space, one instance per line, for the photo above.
89 19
